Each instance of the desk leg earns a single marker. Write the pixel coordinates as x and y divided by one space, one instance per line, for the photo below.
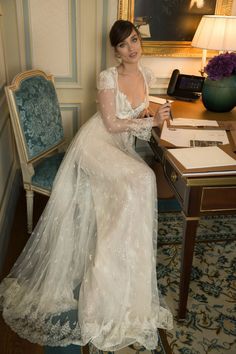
190 229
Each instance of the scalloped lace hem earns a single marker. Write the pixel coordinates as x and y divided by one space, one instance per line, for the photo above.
51 331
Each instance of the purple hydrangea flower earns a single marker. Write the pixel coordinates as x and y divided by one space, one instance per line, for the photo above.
220 66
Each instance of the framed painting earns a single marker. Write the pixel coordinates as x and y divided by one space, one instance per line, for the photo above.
167 27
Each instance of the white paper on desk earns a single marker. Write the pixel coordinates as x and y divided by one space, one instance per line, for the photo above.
158 100
194 122
200 157
181 137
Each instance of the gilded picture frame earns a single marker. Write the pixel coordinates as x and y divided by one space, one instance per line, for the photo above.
170 47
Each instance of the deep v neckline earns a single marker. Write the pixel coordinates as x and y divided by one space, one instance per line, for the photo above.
125 96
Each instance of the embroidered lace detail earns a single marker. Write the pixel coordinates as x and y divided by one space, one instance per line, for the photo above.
63 328
143 130
106 80
116 111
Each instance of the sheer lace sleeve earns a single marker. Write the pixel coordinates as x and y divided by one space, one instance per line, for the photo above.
107 105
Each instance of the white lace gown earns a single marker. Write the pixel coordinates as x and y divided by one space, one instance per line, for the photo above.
87 273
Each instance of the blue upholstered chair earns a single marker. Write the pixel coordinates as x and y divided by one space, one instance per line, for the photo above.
37 125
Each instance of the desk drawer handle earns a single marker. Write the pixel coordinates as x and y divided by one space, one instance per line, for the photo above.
173 177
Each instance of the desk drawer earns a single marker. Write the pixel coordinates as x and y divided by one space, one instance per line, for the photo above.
175 181
218 198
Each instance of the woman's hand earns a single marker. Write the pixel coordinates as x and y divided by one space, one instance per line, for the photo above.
162 114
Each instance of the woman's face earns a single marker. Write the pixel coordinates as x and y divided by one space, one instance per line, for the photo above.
129 50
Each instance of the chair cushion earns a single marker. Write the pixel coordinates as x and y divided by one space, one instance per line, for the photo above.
46 170
39 114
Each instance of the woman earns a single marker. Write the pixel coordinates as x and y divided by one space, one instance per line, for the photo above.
87 272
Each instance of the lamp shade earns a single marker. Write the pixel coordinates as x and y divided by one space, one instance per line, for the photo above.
216 32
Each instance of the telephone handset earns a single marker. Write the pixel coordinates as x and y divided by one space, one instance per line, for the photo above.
185 87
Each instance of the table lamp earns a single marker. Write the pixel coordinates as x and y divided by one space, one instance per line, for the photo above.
215 32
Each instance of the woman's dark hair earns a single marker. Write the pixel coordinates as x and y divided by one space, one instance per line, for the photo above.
120 30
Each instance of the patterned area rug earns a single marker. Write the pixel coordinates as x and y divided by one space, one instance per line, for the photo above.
211 228
210 326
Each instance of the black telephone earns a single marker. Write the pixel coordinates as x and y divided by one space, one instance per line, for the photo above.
185 87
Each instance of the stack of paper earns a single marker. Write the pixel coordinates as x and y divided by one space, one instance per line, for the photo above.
189 122
181 137
207 157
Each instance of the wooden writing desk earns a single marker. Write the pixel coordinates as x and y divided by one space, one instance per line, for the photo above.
196 195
